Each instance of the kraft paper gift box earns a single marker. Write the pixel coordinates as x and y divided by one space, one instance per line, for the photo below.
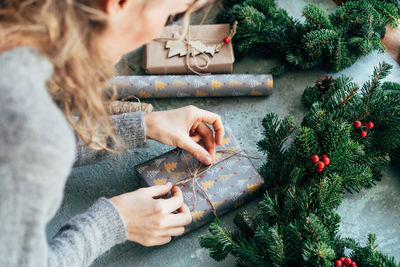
155 54
229 183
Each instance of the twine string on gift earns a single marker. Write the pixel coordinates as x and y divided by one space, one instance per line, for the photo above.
195 172
194 53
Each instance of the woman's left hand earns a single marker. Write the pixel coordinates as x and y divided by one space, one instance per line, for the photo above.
184 127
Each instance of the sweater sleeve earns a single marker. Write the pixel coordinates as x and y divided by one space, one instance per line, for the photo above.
130 130
37 153
88 235
35 160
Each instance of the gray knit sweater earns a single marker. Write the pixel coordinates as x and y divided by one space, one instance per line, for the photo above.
37 152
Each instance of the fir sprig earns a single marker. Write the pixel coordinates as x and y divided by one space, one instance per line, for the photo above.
333 42
296 223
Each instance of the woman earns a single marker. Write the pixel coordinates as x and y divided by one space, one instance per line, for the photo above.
62 50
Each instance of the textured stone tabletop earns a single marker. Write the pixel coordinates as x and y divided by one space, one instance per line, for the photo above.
373 210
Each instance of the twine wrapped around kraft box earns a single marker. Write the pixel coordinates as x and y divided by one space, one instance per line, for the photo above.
209 191
168 86
157 57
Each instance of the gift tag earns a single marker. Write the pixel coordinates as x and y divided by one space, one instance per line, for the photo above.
178 47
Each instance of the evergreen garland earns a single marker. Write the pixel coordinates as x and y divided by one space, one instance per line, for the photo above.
333 42
296 223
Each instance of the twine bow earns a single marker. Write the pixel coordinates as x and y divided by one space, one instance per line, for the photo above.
198 170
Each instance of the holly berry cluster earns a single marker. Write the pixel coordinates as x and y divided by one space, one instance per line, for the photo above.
343 262
325 161
367 126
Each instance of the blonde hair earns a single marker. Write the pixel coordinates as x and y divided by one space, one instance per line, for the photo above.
66 31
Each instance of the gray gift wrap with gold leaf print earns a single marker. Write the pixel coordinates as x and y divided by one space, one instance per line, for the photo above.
177 86
228 184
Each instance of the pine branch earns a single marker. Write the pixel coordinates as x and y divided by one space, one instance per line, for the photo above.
296 223
333 41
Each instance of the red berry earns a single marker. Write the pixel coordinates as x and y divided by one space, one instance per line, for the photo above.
342 259
353 264
319 170
338 263
325 156
227 40
363 134
348 261
326 161
315 158
357 124
370 125
320 165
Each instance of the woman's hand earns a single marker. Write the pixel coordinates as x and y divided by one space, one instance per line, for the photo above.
150 221
184 127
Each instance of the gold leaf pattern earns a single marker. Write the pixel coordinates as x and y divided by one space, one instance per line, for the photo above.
217 94
176 175
218 155
197 215
256 93
143 94
225 141
216 84
200 93
208 184
160 181
270 83
253 187
160 85
170 166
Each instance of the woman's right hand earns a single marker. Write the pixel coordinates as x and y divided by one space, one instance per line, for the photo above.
150 221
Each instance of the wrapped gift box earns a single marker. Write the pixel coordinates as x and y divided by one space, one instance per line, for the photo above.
155 54
229 183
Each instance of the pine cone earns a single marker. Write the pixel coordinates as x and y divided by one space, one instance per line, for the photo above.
323 84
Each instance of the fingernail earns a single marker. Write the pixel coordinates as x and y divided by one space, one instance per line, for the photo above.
207 160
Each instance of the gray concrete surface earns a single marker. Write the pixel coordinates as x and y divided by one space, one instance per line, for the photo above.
373 210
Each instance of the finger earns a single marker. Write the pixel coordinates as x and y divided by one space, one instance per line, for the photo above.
196 150
184 217
174 231
208 137
158 190
175 202
184 209
195 137
216 122
177 220
159 241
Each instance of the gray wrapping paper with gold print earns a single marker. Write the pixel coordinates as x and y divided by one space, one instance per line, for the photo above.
228 184
168 86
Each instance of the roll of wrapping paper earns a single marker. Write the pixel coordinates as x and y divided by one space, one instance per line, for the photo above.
175 86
